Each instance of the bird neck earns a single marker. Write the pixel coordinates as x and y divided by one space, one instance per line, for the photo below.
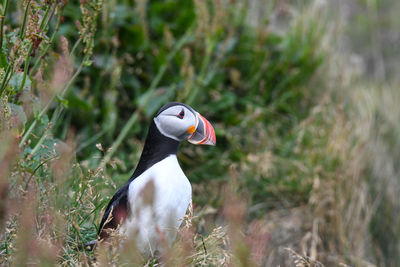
156 148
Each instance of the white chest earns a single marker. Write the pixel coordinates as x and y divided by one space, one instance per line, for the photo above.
158 200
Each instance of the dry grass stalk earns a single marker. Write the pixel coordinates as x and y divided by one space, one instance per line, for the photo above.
303 261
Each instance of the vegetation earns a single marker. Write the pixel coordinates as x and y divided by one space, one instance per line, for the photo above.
305 171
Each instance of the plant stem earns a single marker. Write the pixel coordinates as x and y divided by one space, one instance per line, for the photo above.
22 31
91 140
44 52
44 19
55 115
27 59
78 71
28 132
2 18
4 82
32 126
75 46
41 140
43 24
210 45
44 110
120 137
185 39
37 168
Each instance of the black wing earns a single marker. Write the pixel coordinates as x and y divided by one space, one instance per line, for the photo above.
118 207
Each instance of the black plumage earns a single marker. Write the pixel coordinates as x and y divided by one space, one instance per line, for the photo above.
157 147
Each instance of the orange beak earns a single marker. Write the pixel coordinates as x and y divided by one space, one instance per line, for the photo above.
204 133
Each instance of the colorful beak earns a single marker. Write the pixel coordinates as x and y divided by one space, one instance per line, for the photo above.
204 133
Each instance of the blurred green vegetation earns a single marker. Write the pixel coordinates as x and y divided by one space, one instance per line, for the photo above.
81 81
244 78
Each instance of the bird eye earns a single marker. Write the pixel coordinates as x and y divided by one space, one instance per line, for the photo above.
181 114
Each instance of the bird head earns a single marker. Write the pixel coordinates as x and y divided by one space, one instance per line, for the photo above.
181 122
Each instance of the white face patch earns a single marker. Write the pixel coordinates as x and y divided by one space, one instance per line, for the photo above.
175 121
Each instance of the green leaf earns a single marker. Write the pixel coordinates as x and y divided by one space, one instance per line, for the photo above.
3 60
62 101
36 107
16 81
18 111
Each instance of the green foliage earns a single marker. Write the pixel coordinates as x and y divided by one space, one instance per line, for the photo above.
104 69
81 80
225 70
149 54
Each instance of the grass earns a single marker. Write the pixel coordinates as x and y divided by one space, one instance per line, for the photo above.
305 170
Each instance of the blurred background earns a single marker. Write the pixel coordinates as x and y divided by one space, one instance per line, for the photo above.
304 97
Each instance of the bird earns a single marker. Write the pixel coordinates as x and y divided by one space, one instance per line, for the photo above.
150 206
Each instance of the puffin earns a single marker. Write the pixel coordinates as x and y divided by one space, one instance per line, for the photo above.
150 207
